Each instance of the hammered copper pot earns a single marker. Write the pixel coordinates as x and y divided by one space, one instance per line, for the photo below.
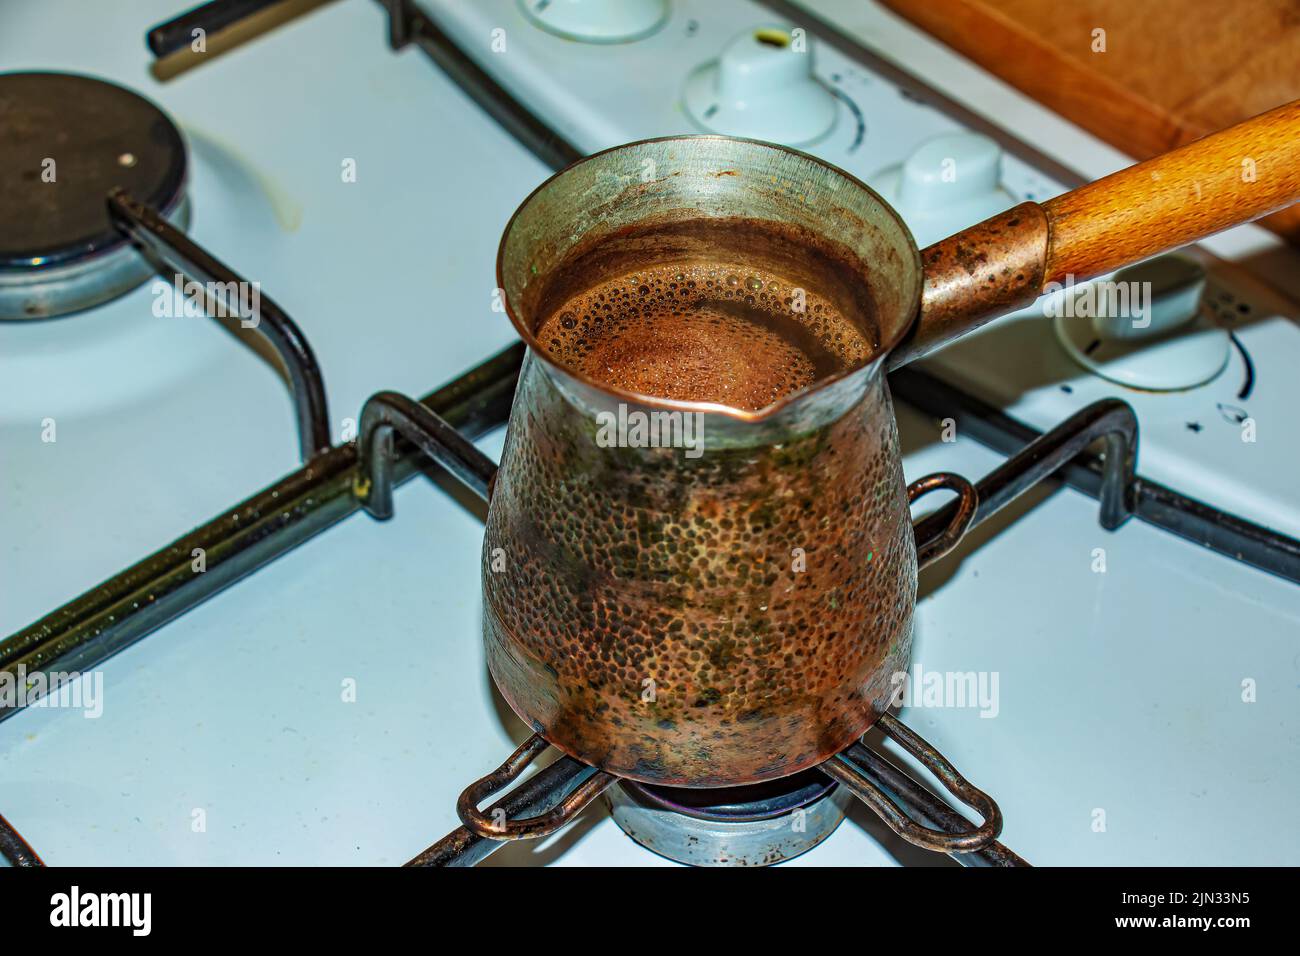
736 616
710 620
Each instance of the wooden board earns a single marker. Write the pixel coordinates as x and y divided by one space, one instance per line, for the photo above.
1170 72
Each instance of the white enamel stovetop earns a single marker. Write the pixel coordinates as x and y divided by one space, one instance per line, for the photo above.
1119 691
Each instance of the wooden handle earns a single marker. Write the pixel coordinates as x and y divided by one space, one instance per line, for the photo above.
1227 178
1004 263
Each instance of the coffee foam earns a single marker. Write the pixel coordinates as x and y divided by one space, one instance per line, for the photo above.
703 332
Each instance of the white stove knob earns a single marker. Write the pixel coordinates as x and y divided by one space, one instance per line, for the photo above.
950 182
1166 294
1145 326
597 21
762 86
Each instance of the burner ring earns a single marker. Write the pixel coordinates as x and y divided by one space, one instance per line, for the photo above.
65 141
756 825
759 801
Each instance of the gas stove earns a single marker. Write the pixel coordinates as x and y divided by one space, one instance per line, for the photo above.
343 192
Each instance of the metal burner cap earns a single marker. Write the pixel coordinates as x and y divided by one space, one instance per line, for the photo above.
65 141
744 826
757 801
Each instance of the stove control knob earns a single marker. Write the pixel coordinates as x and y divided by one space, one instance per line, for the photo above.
597 21
762 86
1164 293
950 182
1145 326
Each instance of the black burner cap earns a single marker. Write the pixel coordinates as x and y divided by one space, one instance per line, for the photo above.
99 136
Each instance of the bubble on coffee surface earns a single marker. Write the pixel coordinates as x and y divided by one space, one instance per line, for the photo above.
703 333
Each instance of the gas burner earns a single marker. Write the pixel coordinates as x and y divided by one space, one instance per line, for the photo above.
65 142
757 825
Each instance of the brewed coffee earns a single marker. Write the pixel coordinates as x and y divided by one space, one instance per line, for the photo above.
721 326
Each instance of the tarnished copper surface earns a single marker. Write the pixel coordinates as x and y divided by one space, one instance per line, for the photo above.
982 272
733 616
698 621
